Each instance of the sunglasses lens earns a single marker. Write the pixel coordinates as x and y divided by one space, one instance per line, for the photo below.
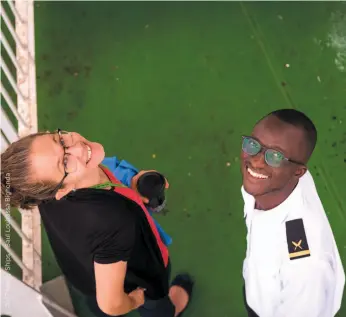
274 158
251 146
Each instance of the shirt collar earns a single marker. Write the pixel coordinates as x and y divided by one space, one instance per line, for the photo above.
280 212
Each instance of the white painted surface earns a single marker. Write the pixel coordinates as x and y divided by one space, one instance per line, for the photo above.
20 300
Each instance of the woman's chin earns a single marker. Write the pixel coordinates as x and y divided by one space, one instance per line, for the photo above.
97 155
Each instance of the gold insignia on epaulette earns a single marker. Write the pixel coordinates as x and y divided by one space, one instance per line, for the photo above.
297 245
296 239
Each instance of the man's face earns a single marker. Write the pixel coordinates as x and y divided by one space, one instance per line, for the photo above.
258 177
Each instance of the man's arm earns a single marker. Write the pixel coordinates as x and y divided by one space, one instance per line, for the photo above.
110 295
307 289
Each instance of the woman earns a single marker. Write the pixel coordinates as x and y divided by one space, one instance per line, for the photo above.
104 239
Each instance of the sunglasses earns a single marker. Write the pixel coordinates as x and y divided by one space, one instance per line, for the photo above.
272 157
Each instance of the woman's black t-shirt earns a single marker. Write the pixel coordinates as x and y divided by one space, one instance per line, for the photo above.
103 226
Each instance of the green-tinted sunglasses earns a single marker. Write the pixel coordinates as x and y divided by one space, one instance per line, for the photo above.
272 157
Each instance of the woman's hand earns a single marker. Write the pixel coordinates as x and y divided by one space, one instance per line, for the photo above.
134 182
137 297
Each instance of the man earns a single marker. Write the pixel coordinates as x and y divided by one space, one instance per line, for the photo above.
292 266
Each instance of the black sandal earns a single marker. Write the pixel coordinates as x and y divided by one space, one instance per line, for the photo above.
186 282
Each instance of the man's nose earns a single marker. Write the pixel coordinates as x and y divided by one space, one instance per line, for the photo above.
258 161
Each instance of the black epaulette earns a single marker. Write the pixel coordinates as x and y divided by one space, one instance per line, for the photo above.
296 239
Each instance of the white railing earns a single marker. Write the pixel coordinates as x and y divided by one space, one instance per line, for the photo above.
18 89
21 76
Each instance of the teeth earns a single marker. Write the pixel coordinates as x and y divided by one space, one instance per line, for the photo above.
89 153
256 175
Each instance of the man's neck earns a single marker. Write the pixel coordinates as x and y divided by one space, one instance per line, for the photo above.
273 199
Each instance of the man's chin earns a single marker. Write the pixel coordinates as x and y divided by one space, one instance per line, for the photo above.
254 189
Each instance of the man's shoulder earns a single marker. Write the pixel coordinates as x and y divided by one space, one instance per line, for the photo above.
308 224
306 205
308 235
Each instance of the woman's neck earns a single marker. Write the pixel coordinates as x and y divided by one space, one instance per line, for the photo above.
95 176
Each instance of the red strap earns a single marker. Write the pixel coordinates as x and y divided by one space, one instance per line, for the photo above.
134 196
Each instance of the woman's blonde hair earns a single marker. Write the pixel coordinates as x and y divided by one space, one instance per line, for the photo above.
18 187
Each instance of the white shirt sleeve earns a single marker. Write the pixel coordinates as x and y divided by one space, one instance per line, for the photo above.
307 289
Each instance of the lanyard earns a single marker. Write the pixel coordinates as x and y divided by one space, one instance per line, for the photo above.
107 184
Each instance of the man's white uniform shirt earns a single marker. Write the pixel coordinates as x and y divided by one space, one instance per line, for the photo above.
292 266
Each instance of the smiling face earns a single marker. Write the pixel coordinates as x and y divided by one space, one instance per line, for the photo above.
260 179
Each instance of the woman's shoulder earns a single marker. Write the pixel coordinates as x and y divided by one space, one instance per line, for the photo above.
96 203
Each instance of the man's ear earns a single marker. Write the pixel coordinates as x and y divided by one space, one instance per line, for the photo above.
300 171
63 192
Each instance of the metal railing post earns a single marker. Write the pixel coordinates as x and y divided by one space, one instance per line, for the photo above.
20 73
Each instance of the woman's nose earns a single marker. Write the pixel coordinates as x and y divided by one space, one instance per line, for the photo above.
76 149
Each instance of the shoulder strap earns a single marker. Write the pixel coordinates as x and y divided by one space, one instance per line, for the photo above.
114 183
129 193
296 239
107 184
